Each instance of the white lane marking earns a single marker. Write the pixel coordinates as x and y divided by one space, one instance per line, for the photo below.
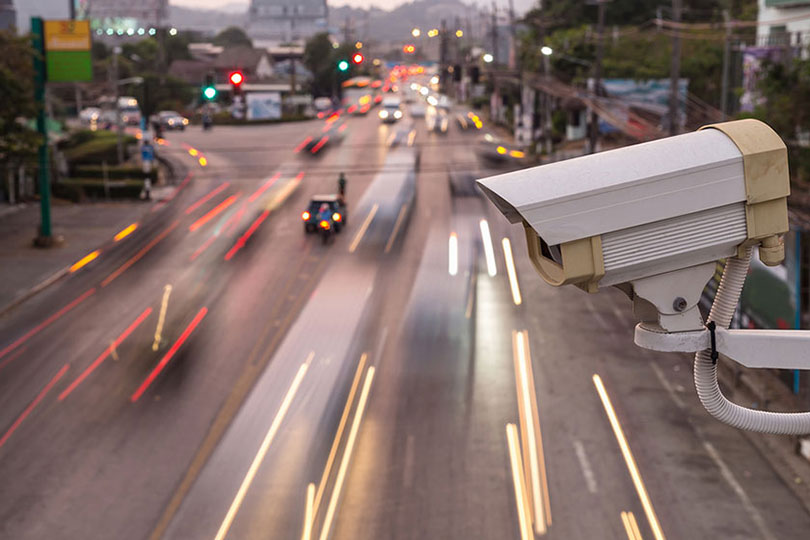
511 272
585 465
397 224
363 228
407 469
308 514
596 315
668 387
489 251
167 290
452 257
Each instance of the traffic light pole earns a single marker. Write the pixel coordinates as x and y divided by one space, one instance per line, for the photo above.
45 237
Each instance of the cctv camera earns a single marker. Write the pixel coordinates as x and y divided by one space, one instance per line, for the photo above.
624 217
653 219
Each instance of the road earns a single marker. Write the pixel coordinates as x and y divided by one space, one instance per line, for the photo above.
216 373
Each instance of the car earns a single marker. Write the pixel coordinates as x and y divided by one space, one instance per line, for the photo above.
493 149
437 120
336 218
391 109
171 120
90 115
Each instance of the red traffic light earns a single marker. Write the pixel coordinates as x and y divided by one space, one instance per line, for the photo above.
408 49
236 78
357 58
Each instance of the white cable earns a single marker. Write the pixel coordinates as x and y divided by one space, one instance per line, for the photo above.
725 302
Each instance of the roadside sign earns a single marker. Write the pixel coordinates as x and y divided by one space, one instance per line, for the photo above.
67 51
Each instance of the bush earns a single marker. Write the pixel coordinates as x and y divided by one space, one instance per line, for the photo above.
101 147
115 172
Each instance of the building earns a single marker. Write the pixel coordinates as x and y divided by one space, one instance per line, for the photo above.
8 16
783 23
286 21
124 14
255 64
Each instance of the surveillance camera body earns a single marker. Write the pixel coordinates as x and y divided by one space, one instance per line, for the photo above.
653 218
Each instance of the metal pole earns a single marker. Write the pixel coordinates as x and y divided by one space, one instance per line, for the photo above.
726 62
597 75
71 9
675 70
547 106
118 125
40 79
443 57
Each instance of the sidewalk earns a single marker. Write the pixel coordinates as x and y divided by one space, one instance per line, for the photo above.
83 226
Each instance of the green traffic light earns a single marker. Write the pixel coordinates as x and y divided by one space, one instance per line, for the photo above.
210 92
343 65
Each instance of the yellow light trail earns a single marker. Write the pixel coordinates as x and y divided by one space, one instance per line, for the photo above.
631 526
203 161
452 250
308 513
517 480
193 152
347 454
257 461
511 272
126 232
649 511
167 290
363 228
489 251
90 257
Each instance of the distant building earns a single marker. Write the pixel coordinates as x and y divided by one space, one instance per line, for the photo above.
783 23
124 13
255 64
285 21
8 16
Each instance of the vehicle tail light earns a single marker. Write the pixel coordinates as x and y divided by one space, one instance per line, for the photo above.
324 224
305 216
336 217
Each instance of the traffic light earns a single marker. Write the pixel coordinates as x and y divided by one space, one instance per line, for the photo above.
209 90
343 65
357 58
409 49
236 79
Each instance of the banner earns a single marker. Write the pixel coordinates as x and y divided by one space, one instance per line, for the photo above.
263 105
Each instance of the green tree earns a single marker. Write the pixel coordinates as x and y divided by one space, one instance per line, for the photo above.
233 36
17 142
321 59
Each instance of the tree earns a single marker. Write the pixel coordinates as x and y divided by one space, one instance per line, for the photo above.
233 36
17 142
321 58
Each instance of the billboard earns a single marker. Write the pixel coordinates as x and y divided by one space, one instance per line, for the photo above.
263 105
651 95
67 51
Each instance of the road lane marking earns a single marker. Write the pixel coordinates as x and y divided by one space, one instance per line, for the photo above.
599 319
214 212
257 461
109 279
363 228
264 187
511 272
531 428
33 404
631 526
347 454
585 465
47 322
308 513
107 352
518 479
84 261
489 251
169 354
452 254
397 224
125 232
164 304
339 434
205 198
629 460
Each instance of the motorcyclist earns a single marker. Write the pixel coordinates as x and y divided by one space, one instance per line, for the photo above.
324 214
342 188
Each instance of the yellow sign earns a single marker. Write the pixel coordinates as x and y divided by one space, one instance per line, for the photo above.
67 35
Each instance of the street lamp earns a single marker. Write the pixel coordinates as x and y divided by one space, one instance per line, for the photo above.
546 50
459 33
488 58
416 32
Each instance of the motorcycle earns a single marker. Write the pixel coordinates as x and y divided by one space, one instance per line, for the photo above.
327 230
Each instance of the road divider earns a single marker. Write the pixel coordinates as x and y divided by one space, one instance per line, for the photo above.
169 354
263 448
629 460
107 352
31 406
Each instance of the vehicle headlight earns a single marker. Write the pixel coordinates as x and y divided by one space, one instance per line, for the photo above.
171 121
185 121
398 114
383 114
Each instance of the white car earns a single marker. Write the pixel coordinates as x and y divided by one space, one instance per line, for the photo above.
391 109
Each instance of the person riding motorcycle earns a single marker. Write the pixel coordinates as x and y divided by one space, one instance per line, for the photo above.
342 188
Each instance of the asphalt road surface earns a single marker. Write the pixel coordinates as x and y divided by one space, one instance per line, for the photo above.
217 373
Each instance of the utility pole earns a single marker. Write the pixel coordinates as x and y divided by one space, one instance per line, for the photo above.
443 56
45 238
495 33
675 70
513 56
76 90
72 9
726 66
118 125
597 74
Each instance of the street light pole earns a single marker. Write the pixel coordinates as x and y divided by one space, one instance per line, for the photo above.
597 75
118 125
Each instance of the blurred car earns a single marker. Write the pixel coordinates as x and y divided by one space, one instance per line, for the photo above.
462 184
493 149
391 109
90 115
170 120
332 133
437 120
336 210
418 110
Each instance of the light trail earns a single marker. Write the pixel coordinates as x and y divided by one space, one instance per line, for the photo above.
257 460
164 305
452 254
109 279
649 511
264 187
518 482
205 198
308 513
631 526
347 454
84 261
214 212
244 238
489 251
511 272
32 405
125 232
